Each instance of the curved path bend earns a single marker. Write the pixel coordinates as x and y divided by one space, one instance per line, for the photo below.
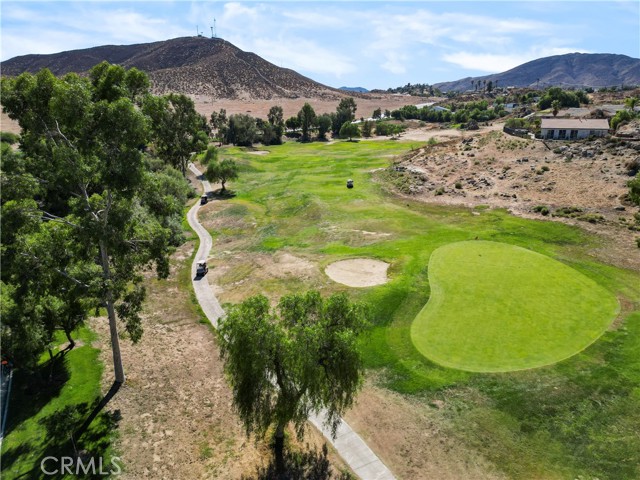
355 452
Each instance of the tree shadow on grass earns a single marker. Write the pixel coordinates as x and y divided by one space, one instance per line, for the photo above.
220 194
33 390
310 464
80 429
61 441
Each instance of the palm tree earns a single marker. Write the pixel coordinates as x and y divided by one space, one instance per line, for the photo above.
555 105
631 103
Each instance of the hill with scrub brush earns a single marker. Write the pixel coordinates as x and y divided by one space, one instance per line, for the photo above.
189 65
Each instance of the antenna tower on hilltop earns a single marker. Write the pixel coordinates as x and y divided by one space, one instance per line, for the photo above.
215 32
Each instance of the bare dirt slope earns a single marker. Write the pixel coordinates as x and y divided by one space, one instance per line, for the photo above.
413 438
582 183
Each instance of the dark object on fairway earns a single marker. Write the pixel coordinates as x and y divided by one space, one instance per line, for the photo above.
204 199
349 183
201 269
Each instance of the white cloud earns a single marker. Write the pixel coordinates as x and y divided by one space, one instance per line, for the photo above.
234 9
305 55
80 26
310 19
395 63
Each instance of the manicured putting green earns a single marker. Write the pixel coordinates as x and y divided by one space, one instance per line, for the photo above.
496 307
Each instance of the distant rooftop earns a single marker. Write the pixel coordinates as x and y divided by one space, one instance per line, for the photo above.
575 123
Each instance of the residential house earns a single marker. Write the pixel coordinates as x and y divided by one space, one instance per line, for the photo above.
573 128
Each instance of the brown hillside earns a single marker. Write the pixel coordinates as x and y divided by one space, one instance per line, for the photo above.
570 70
189 65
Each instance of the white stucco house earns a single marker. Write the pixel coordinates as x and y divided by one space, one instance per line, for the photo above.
573 128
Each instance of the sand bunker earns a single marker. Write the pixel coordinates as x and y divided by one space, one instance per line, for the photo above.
359 272
259 152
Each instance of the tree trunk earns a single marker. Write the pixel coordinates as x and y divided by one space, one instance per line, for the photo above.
72 342
113 326
279 449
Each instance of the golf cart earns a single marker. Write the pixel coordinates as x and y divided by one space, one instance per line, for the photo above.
204 199
201 269
349 183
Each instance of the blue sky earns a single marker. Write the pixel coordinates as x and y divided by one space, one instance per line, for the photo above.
373 44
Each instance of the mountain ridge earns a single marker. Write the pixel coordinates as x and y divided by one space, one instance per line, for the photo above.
189 65
568 70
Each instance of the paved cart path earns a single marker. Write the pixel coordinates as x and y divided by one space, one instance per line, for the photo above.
347 443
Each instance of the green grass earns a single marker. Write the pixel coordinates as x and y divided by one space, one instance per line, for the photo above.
576 417
48 405
496 307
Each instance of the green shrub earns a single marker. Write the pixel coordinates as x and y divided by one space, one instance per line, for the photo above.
591 217
541 209
10 138
458 185
440 191
569 212
632 166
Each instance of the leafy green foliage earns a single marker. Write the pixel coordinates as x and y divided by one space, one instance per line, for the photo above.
307 120
9 138
418 89
97 221
298 358
272 132
177 129
222 171
349 130
345 112
564 98
367 128
386 129
241 130
634 189
620 117
324 125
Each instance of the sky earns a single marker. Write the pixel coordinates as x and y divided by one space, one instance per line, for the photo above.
370 44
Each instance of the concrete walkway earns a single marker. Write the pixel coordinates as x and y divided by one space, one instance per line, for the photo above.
347 443
204 294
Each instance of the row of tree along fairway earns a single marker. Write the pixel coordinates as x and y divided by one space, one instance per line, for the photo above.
575 417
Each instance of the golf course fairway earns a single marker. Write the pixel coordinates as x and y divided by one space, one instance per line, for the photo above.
496 307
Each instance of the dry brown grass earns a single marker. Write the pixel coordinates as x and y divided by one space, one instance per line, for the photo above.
176 407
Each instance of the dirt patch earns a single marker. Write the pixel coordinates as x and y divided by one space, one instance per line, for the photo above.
413 439
258 152
177 418
358 272
236 276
